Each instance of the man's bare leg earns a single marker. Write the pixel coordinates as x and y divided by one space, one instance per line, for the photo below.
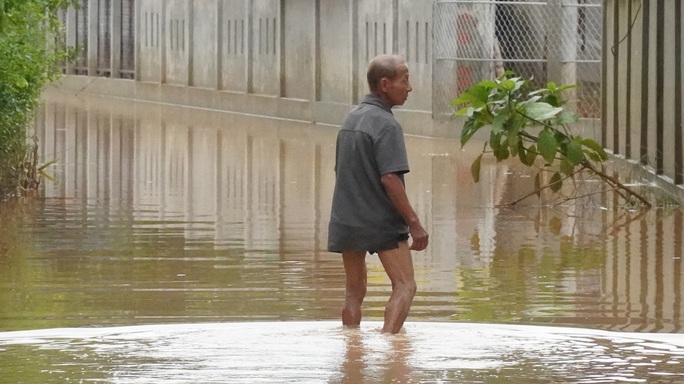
399 267
355 271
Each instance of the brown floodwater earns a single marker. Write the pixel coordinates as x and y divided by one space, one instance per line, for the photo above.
185 245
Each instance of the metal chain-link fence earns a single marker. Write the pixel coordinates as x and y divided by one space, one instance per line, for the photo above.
546 40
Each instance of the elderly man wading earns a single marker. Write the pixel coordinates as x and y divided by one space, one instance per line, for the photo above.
370 210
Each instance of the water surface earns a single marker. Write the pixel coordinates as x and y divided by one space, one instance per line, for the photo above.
164 215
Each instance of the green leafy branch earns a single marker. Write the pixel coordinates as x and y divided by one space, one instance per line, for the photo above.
33 49
531 124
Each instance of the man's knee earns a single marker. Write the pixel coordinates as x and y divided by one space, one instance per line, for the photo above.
409 287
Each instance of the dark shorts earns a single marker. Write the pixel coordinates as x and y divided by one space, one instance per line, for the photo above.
342 238
402 237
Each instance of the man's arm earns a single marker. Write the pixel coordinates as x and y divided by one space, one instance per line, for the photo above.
397 195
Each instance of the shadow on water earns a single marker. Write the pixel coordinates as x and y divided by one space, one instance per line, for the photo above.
215 224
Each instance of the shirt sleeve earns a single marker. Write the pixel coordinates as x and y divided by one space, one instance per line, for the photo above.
390 151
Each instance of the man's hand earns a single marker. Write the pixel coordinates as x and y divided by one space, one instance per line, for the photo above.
397 195
419 237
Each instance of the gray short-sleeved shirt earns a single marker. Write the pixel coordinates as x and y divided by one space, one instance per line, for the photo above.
369 145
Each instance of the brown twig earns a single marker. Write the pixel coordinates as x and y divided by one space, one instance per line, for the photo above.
618 184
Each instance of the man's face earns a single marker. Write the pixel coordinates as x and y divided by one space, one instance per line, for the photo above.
397 89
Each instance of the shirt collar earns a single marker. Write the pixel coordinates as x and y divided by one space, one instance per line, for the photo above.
376 101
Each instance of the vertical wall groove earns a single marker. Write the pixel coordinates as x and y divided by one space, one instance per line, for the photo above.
395 27
616 77
219 44
279 35
317 50
604 78
679 178
628 80
250 46
646 12
660 84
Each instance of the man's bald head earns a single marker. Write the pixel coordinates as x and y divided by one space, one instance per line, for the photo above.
383 66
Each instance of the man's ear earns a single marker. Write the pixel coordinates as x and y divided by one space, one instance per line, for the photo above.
384 84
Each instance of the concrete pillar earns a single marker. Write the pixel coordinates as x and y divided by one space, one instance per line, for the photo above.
137 40
70 36
115 50
219 44
354 15
93 9
190 39
250 46
162 46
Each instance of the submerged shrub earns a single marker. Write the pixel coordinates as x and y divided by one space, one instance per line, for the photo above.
31 49
531 124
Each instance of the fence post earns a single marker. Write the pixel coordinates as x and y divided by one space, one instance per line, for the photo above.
569 44
554 40
561 34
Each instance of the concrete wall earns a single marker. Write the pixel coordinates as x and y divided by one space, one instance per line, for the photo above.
642 98
298 59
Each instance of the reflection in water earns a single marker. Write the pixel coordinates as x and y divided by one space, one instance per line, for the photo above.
196 215
374 358
166 215
323 352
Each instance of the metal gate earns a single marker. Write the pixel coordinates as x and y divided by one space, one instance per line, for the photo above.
546 40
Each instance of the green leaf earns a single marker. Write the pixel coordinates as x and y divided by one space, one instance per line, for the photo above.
531 100
488 84
475 168
527 156
513 141
593 156
494 140
574 153
498 122
541 111
554 100
2 15
21 82
49 163
596 147
566 167
509 85
469 129
513 146
568 118
556 182
476 95
531 155
502 153
548 146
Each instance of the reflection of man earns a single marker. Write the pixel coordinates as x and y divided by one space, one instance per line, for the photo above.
360 363
370 209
